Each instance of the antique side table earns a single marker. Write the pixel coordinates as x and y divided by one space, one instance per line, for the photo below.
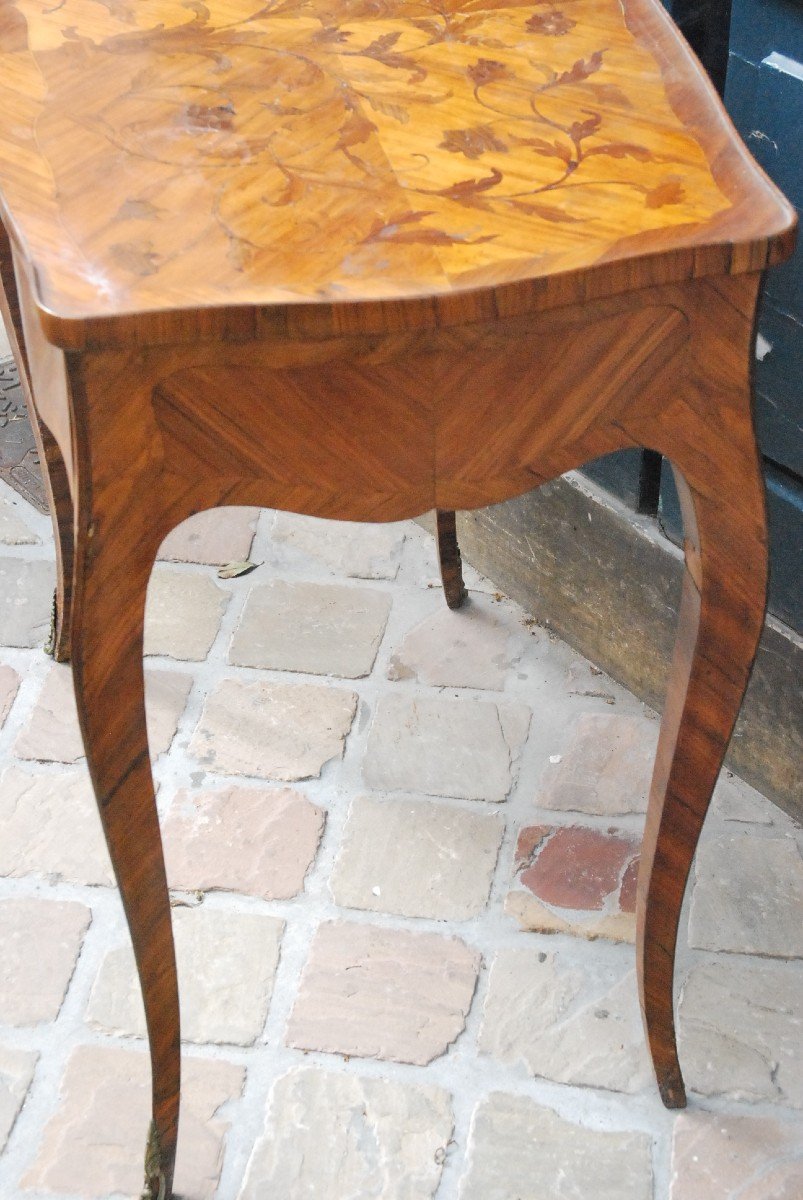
361 260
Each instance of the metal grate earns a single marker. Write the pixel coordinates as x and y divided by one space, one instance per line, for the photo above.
19 459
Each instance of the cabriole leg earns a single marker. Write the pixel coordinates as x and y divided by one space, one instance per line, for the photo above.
451 563
721 618
119 530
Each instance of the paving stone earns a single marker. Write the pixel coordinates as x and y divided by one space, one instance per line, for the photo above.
728 1157
13 530
41 940
213 537
536 917
748 896
605 769
9 686
741 1031
226 964
464 748
519 1150
564 1024
51 827
383 993
470 648
735 800
26 601
16 1072
627 892
183 614
258 842
416 859
52 733
318 628
93 1145
339 1136
351 548
273 730
578 867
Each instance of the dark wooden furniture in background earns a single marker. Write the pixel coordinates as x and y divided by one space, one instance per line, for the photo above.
362 267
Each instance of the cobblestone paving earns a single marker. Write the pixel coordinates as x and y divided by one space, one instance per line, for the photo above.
403 846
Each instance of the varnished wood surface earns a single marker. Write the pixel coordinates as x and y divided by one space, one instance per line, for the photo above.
195 162
449 559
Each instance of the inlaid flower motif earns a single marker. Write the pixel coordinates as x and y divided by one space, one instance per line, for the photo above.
472 142
551 24
488 70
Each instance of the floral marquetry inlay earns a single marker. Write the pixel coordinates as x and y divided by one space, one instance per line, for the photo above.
196 153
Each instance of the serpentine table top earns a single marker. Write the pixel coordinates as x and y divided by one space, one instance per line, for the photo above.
166 156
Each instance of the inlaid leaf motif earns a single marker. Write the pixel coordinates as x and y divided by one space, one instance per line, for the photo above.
206 116
382 45
395 231
433 29
291 193
578 130
622 150
548 149
468 189
457 27
669 192
552 24
330 36
609 93
381 50
472 142
581 69
139 258
557 216
355 130
388 108
136 210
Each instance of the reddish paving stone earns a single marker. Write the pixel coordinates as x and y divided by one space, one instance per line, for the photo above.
529 839
578 868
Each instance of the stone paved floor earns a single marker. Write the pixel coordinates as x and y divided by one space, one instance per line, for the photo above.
403 845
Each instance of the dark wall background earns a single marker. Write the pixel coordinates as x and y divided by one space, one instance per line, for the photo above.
753 50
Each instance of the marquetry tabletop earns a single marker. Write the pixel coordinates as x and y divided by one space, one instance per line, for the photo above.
164 154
